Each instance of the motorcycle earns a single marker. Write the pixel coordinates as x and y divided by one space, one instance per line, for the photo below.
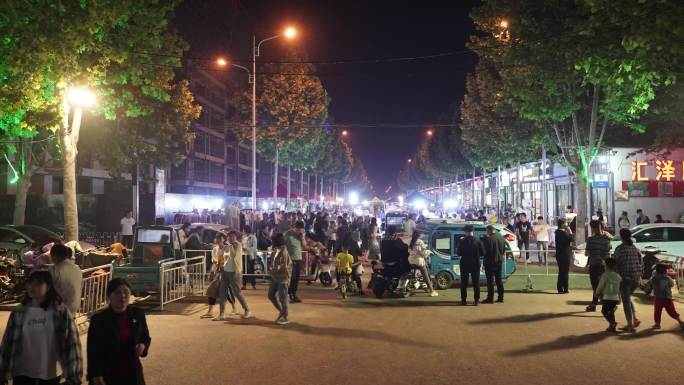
412 282
392 269
651 260
12 278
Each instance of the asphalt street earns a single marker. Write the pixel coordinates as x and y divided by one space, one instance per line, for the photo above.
532 338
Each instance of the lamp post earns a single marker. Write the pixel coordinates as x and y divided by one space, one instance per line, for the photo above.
289 33
76 98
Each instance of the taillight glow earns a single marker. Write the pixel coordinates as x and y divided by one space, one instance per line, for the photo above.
510 237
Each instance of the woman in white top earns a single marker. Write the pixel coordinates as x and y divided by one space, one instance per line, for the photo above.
249 246
418 254
230 276
216 264
41 342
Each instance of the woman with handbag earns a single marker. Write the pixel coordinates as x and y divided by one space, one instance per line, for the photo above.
231 275
281 271
214 281
418 254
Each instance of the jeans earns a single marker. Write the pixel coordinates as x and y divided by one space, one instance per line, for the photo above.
627 287
127 240
474 274
542 251
281 302
493 274
595 273
294 281
666 303
229 281
608 309
524 244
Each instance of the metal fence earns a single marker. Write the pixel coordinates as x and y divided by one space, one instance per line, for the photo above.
178 279
93 291
261 267
104 238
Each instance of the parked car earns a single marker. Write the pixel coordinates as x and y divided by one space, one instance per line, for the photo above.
667 237
442 237
18 239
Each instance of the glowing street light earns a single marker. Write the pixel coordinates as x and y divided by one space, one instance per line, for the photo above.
503 24
290 33
222 62
429 132
409 160
345 133
81 97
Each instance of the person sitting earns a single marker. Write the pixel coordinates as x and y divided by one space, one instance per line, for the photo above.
418 254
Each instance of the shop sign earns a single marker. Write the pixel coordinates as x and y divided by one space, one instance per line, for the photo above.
666 170
600 181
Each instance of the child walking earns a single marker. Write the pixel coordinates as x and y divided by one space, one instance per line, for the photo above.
662 287
608 290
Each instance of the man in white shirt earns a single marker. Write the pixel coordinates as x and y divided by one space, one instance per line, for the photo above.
67 277
542 232
127 224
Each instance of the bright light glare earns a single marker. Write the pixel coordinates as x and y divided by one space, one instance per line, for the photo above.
603 159
290 32
365 203
429 132
222 62
358 212
450 203
353 198
81 97
217 203
264 205
344 133
503 24
401 200
172 203
419 204
322 197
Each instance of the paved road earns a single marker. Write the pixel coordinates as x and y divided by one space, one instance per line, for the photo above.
535 338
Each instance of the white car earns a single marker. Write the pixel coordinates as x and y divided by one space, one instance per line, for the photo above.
666 237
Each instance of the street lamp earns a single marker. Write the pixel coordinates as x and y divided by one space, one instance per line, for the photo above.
409 160
503 24
429 132
345 133
289 33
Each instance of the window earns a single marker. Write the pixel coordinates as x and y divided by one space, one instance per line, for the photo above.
57 185
441 242
656 234
675 234
244 158
245 180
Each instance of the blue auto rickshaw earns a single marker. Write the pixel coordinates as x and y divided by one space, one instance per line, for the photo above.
442 237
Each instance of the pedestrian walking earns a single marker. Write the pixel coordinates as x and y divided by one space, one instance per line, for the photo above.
418 255
608 289
470 249
230 277
642 219
127 224
41 338
67 277
409 225
597 249
184 234
542 234
662 287
494 258
117 338
564 240
523 228
630 267
249 245
213 289
281 272
294 239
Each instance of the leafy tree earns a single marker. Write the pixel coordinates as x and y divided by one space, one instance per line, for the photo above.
291 105
124 51
567 73
493 135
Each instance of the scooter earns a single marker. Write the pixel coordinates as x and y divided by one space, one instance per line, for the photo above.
412 282
651 260
327 271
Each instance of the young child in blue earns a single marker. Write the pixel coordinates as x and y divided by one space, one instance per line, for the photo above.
608 290
662 288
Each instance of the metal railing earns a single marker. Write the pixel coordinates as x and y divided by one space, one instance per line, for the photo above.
98 238
178 279
93 291
261 263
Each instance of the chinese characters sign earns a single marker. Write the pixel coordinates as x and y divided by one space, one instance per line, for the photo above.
666 171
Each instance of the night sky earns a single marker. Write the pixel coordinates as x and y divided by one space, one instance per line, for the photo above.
415 93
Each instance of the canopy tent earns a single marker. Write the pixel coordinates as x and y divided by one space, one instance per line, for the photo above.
376 201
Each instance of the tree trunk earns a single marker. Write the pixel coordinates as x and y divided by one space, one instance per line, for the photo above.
275 177
69 152
289 185
582 192
23 185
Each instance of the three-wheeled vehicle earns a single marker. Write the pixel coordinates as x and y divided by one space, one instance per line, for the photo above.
152 246
394 219
442 237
